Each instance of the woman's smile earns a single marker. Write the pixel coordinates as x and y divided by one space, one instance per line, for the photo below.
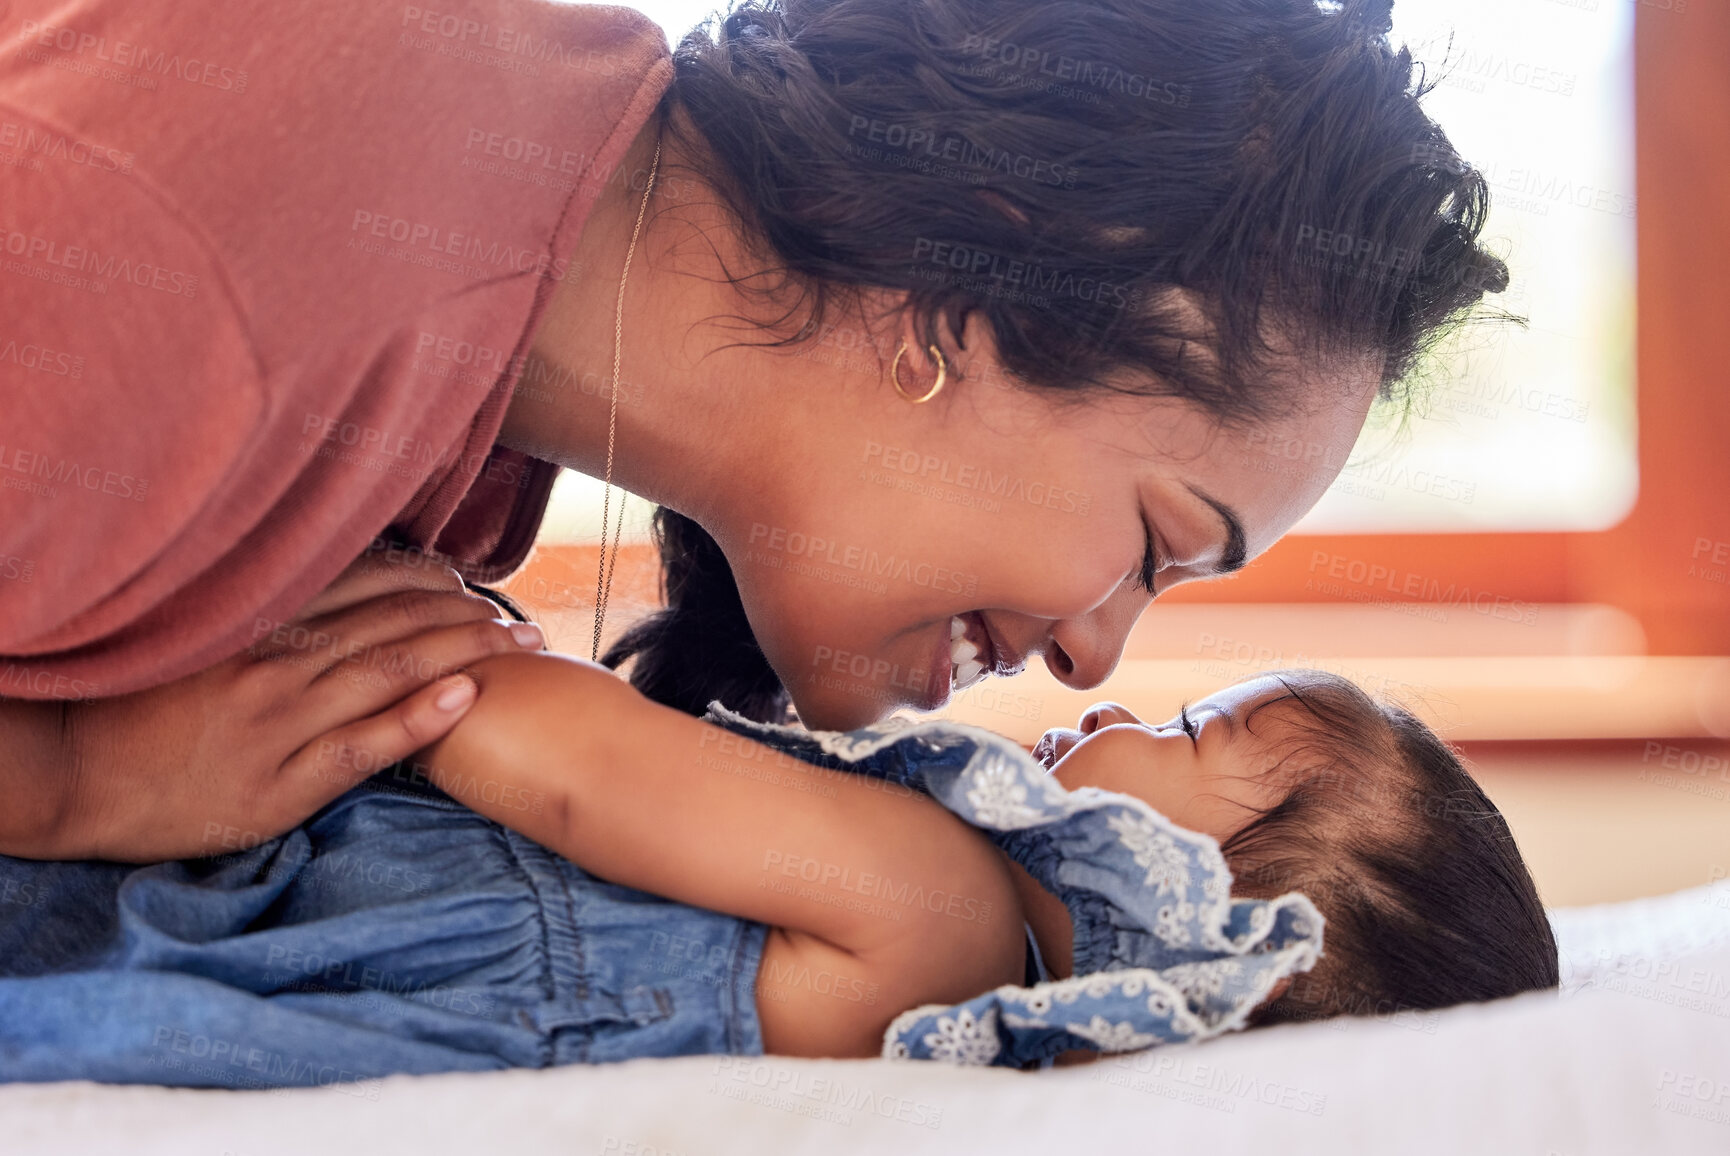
968 643
971 651
964 655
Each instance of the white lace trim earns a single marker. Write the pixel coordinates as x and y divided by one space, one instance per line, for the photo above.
1112 1037
1154 840
965 1041
1006 791
1163 998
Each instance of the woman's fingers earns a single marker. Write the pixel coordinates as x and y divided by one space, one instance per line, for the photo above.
371 679
350 635
240 752
373 574
348 755
365 675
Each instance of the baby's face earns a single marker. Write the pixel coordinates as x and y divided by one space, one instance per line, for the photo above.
1206 778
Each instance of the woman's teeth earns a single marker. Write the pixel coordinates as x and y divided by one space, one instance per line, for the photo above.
963 657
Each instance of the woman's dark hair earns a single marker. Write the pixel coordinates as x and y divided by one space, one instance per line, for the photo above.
701 648
1428 903
1157 196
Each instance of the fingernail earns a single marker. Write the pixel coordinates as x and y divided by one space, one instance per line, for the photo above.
528 635
456 695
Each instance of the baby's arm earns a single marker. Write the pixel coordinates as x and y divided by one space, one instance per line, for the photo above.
650 798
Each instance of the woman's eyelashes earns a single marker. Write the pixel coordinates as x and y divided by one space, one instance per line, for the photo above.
1188 724
1150 566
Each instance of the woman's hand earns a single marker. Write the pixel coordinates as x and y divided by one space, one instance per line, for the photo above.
365 674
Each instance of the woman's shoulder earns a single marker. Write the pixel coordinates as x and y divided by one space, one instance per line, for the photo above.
313 234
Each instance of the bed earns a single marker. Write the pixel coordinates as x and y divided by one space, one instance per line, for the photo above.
1632 1057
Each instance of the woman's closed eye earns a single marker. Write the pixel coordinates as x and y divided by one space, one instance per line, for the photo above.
1150 565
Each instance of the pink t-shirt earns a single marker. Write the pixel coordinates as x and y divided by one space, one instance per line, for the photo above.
268 275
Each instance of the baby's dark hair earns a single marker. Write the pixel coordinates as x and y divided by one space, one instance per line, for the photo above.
1427 901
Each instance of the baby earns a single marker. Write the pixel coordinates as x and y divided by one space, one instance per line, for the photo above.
1312 785
747 889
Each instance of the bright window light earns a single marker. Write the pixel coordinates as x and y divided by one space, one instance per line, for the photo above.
1521 428
1527 429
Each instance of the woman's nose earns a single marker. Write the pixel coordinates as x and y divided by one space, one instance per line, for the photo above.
1105 714
1082 652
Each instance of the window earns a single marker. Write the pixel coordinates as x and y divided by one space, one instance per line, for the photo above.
1527 429
1523 429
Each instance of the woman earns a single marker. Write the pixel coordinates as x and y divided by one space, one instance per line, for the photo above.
1102 258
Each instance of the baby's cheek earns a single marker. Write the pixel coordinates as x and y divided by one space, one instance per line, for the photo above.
1132 762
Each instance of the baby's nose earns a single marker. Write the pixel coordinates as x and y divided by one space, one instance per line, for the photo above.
1105 714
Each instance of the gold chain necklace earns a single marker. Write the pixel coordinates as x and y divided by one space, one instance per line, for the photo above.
604 576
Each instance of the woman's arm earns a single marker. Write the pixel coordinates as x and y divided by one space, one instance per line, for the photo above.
864 879
245 749
35 780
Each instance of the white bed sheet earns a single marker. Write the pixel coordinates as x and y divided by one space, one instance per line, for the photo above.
1632 1058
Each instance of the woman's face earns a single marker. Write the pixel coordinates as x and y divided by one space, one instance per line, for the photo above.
913 549
1204 770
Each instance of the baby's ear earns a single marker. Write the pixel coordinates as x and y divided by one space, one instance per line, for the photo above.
1259 1015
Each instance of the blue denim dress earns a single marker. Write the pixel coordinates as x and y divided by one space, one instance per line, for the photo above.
399 932
396 931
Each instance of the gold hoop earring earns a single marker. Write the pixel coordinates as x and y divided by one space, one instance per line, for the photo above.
937 386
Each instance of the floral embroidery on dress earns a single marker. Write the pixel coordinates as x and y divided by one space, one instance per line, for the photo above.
1100 983
1164 953
1169 925
965 1040
1167 865
855 745
1010 1019
1110 1037
1197 981
999 797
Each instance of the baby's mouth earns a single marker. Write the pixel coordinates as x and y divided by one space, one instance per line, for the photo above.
1053 745
968 643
